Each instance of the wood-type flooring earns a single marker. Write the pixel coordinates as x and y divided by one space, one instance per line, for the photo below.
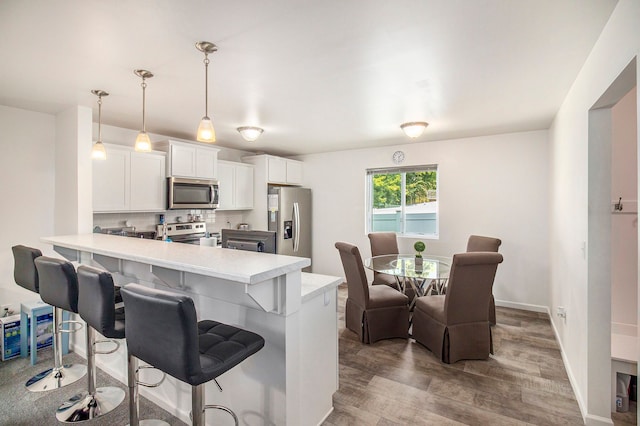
396 381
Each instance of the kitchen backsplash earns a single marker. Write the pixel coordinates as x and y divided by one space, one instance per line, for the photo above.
216 220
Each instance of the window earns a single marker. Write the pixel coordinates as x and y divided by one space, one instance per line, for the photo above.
403 200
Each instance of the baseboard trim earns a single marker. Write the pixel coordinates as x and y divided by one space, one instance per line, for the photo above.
522 306
591 420
567 367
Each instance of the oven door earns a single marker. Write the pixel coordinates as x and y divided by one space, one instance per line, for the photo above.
192 193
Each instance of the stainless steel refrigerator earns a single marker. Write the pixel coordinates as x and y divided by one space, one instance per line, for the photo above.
289 210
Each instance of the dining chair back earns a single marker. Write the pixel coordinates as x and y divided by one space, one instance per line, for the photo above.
456 325
480 243
384 243
373 313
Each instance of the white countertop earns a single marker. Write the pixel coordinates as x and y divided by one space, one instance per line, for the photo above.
234 265
314 284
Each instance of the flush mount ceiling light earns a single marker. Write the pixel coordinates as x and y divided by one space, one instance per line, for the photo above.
414 129
98 152
250 133
206 133
143 143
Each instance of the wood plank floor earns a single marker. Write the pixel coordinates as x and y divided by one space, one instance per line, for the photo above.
399 381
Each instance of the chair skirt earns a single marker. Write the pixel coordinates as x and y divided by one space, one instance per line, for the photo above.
455 342
376 324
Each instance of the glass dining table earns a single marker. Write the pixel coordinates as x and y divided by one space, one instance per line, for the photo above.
430 277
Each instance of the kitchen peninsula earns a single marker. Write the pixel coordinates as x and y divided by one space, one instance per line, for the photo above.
292 380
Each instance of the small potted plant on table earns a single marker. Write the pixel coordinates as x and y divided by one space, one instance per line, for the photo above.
419 247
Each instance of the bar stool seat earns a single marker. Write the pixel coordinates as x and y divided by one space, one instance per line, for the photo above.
58 288
162 330
96 305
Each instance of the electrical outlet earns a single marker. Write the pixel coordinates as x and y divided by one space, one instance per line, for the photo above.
6 310
561 312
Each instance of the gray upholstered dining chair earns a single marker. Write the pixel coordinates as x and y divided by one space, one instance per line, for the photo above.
386 243
479 243
372 312
456 326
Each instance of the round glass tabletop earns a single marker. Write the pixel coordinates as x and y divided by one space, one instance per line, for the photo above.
405 265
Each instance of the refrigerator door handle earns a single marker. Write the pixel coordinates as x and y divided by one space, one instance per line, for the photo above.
296 226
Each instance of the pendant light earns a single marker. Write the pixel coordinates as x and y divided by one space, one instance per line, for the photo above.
143 143
206 133
98 152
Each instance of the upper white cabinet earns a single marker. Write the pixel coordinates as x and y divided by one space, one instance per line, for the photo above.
279 170
112 180
189 160
148 183
236 185
129 181
268 170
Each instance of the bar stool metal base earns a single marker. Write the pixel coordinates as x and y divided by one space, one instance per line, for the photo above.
55 378
152 422
84 406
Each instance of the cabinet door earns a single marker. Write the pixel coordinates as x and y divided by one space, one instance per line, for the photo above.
226 185
183 161
206 160
148 182
244 187
294 172
111 181
277 170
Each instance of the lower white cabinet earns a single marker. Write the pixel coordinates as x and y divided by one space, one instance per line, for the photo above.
235 181
129 181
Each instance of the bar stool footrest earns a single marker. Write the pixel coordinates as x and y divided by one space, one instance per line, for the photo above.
223 408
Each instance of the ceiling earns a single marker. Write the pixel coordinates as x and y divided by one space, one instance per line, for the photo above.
316 75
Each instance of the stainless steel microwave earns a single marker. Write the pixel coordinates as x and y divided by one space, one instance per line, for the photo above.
187 193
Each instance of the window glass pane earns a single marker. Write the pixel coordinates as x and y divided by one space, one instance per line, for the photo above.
403 200
421 202
386 202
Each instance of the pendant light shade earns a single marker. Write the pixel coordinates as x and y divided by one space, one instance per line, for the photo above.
206 132
98 152
143 143
414 129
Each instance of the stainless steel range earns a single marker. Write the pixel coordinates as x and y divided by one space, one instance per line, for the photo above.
184 232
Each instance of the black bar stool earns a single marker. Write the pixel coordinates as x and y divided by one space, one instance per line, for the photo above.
162 329
58 288
97 306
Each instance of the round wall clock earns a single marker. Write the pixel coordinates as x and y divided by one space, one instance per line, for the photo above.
398 157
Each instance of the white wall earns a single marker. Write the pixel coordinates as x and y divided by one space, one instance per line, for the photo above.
73 203
494 185
569 138
624 231
27 173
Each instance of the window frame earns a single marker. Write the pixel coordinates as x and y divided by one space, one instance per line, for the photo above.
403 217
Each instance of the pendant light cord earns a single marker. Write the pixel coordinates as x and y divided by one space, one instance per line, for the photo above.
100 118
206 85
144 86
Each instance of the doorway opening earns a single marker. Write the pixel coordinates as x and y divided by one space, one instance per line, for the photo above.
612 266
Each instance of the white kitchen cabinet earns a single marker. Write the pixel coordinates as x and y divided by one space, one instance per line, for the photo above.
129 181
236 185
111 180
269 169
279 170
148 183
189 160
